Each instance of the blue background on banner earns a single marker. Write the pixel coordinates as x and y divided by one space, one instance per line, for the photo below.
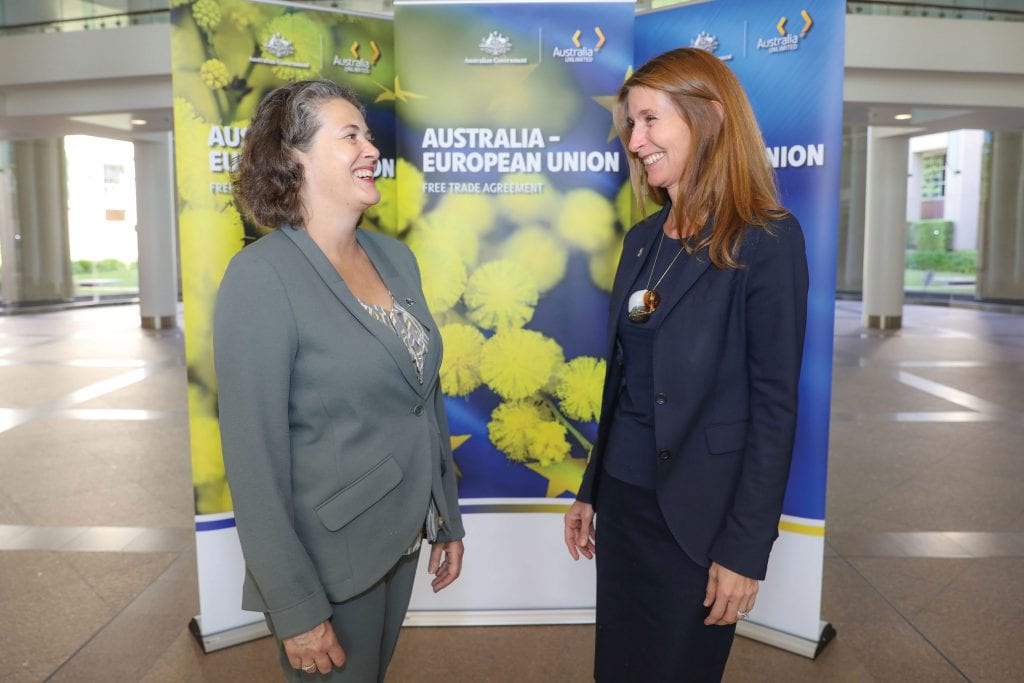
797 97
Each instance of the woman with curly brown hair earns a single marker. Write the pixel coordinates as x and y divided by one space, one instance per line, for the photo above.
333 427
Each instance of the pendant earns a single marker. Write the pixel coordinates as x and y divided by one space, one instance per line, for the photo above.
641 305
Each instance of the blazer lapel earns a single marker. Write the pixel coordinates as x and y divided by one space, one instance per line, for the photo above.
406 291
693 267
322 265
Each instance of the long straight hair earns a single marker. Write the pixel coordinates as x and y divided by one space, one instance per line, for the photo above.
728 177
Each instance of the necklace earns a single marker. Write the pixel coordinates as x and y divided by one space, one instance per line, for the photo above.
643 302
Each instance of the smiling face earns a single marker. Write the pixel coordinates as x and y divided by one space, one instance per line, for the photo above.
659 137
338 166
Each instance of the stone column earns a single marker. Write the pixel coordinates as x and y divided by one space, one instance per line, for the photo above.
34 224
1001 238
885 227
850 264
154 195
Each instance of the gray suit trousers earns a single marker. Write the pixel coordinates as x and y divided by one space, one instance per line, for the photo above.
367 627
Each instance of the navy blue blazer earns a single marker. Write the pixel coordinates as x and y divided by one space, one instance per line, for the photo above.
726 374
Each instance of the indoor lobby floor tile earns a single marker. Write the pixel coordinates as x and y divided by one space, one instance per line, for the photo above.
923 568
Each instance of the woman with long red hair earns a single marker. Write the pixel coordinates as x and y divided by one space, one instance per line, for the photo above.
706 329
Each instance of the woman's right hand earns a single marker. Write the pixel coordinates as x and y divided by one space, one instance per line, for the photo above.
315 650
580 535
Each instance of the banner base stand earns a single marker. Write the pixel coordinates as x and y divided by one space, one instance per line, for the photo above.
763 634
786 641
235 636
505 617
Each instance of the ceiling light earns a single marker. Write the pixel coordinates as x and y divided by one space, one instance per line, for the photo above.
142 122
903 117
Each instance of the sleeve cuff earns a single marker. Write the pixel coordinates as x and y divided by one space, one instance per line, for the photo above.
302 616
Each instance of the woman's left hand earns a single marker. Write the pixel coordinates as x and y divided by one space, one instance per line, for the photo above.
729 595
447 568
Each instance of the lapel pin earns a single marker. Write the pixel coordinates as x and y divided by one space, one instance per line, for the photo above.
639 252
409 302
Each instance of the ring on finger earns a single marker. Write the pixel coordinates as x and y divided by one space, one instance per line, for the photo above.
740 614
309 667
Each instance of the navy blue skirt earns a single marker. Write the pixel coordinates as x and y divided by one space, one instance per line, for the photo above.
650 595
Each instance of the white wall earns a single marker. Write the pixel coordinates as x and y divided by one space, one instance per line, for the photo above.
963 186
92 237
928 61
85 72
962 199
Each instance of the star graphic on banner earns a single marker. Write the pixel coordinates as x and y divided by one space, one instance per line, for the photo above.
396 94
609 101
457 441
562 476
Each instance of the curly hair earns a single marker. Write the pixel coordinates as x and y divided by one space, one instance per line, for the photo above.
728 177
268 182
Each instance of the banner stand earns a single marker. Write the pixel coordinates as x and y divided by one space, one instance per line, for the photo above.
786 641
762 634
211 642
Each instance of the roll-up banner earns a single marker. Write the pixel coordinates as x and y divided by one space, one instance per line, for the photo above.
789 58
501 169
225 56
514 197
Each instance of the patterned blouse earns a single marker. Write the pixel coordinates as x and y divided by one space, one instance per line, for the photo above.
408 329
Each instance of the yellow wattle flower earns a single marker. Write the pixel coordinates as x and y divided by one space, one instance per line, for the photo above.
501 294
529 208
586 220
460 371
510 425
578 388
214 74
433 229
410 197
602 265
209 481
209 239
242 13
517 363
547 443
207 14
540 253
443 275
384 214
475 212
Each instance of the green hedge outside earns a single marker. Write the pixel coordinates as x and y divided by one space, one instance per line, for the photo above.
945 261
109 265
930 235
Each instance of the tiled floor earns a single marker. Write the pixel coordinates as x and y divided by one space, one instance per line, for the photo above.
924 567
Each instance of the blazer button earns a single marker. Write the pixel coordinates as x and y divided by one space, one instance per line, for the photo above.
664 454
660 399
418 410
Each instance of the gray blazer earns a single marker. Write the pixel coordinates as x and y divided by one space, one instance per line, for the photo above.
332 446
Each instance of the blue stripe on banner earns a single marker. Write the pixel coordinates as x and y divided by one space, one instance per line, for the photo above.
215 524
